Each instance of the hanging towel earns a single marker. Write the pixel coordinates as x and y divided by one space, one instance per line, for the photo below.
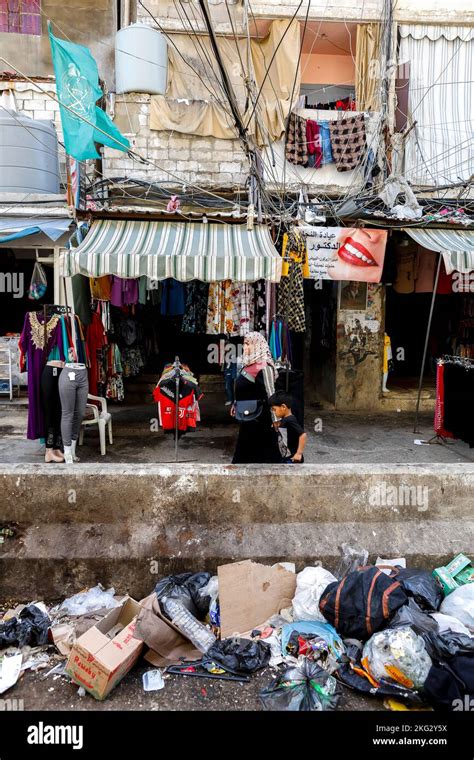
348 142
313 144
296 149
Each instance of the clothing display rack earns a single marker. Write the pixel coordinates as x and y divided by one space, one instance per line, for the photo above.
177 374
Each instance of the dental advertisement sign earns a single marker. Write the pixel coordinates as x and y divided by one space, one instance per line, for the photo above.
346 253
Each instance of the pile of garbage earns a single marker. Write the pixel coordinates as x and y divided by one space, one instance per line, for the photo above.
403 634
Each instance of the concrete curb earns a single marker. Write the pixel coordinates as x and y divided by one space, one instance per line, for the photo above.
127 525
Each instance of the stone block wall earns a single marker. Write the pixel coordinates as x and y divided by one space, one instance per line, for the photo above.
179 159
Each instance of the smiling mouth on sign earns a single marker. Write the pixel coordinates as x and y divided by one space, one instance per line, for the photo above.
355 253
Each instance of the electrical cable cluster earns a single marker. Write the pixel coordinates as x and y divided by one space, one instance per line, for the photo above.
275 204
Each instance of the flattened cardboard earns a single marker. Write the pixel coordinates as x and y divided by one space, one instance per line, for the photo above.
250 593
97 662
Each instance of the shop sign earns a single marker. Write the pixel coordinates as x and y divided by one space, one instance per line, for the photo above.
343 253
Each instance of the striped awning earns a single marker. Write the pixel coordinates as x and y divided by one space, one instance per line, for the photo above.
457 246
182 250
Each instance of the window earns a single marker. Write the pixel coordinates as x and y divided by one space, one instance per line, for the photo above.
20 16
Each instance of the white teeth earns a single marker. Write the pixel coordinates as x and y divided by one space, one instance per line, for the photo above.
357 253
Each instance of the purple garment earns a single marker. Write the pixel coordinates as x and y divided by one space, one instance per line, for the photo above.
36 358
124 291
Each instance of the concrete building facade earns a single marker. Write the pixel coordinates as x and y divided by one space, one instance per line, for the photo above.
184 160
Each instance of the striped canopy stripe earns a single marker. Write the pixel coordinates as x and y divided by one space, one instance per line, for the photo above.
457 246
185 251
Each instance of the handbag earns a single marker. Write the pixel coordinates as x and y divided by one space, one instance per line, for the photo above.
248 411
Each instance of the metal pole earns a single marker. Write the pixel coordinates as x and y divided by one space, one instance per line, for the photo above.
176 406
428 329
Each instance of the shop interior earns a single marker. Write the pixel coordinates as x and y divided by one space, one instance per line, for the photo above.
409 277
17 264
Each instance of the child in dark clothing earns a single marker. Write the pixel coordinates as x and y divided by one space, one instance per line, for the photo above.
281 408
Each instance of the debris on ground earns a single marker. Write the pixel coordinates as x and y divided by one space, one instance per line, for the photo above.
90 600
10 668
153 680
29 627
304 687
386 630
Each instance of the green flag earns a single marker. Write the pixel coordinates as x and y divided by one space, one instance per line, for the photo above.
77 84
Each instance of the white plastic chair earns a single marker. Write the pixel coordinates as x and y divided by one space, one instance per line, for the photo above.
102 418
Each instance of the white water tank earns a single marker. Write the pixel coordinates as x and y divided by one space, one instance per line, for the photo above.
141 60
28 155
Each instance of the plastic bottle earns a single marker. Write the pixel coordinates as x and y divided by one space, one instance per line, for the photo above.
201 637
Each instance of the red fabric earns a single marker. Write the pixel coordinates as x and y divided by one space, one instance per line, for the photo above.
95 341
439 406
445 282
313 141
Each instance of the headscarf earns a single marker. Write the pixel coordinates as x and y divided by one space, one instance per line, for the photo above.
257 351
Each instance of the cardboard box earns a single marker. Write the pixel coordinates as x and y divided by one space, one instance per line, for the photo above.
98 662
250 593
455 574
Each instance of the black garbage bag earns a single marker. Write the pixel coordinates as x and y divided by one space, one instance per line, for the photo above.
185 588
351 675
30 627
421 585
303 688
450 684
411 614
442 646
240 655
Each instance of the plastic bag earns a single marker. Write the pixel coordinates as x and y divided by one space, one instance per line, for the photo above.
460 604
421 585
442 646
304 687
320 642
185 588
351 559
95 598
411 614
38 284
30 627
449 623
240 655
397 654
310 584
211 589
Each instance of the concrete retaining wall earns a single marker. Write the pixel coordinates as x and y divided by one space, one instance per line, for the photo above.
127 525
